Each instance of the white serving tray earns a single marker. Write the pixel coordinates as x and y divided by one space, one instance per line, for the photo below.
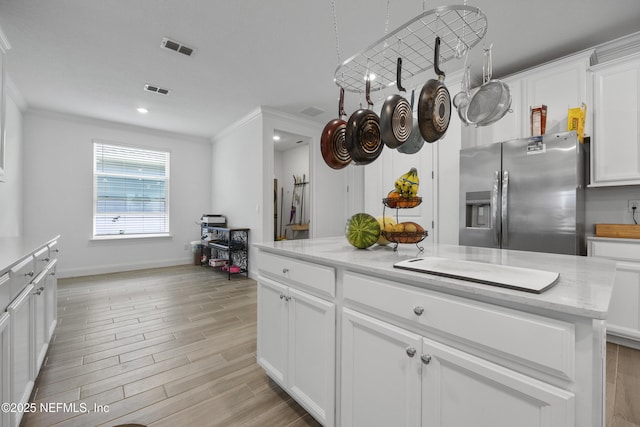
521 279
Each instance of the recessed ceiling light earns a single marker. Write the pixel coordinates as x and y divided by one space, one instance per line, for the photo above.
142 110
276 137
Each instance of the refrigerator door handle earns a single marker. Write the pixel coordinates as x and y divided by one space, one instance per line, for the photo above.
494 209
505 208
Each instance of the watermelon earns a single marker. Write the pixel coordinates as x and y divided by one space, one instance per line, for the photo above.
362 230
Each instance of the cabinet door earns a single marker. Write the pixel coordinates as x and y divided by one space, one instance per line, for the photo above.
311 364
51 300
21 348
39 327
459 389
624 308
272 329
380 373
616 152
5 375
560 85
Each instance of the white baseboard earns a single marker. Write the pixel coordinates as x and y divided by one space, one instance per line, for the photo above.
116 268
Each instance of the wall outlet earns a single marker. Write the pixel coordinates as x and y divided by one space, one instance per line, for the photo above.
636 204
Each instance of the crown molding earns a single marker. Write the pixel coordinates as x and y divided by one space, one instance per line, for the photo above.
617 48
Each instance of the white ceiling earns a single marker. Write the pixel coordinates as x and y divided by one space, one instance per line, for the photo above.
93 57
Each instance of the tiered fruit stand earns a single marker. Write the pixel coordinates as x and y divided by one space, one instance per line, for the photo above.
397 237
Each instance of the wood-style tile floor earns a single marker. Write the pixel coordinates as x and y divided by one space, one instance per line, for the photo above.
176 347
162 347
623 386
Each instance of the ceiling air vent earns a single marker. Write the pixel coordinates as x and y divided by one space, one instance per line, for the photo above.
156 89
312 111
176 46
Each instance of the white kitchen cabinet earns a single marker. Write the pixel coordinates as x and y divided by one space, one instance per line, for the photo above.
616 143
28 292
491 395
21 347
623 323
5 364
423 382
311 356
560 85
419 350
272 329
380 373
5 291
40 329
296 332
51 299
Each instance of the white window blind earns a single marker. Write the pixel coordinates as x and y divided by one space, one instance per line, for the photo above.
131 191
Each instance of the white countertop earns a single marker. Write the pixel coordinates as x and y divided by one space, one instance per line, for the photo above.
614 239
584 287
15 249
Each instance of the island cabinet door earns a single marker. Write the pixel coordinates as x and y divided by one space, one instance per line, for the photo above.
272 329
311 361
5 372
459 389
380 377
40 329
21 349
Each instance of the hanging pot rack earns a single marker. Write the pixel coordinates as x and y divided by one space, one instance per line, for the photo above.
460 28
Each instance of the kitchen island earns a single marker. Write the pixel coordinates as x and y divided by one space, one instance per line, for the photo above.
358 342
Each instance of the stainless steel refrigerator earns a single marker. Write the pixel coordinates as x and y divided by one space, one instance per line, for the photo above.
525 194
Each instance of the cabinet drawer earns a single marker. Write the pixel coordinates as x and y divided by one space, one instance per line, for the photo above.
41 258
5 292
53 249
21 275
320 278
624 251
523 337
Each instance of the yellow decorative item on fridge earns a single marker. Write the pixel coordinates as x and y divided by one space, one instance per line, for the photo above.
575 120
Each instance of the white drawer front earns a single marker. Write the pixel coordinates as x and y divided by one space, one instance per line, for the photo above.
625 251
5 292
313 276
548 343
21 275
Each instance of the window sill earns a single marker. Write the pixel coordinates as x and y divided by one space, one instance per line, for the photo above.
130 236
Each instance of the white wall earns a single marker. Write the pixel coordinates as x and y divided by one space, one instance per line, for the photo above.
243 168
609 205
328 187
58 192
237 178
11 182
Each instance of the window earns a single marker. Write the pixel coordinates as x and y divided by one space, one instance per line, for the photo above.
131 191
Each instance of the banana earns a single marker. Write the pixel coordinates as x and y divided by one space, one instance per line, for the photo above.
408 183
